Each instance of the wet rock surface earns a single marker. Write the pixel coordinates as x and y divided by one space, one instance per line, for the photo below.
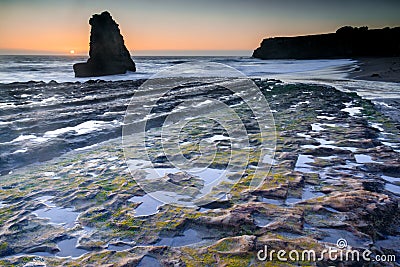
82 114
335 175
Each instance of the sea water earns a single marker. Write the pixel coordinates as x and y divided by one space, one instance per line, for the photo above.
59 68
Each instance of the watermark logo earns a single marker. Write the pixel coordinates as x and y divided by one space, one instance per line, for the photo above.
193 131
342 252
341 243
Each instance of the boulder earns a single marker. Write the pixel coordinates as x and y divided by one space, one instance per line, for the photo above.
108 54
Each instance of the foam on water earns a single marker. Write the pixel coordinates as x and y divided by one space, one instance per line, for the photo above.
81 129
59 68
316 127
353 110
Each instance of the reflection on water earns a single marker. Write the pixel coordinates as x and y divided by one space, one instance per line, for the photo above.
302 163
150 202
332 235
68 248
361 158
57 215
188 237
261 220
147 261
395 189
148 205
118 247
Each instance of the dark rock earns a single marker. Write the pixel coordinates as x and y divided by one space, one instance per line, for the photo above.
43 248
108 54
218 204
346 42
390 246
360 199
181 178
373 185
326 151
277 192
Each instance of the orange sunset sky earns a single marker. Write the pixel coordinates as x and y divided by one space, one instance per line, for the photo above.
57 27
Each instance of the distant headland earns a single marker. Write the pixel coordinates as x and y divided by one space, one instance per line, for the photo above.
346 42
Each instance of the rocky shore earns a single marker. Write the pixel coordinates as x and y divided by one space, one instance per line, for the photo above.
335 174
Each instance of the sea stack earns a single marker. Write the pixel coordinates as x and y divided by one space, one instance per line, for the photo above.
108 54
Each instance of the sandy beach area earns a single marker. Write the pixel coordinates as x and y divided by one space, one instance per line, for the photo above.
378 69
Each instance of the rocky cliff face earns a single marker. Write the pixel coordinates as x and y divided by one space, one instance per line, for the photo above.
346 42
108 54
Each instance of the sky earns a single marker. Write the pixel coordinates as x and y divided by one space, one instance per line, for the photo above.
181 26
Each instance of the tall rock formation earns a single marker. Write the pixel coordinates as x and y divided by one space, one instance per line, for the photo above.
347 42
108 54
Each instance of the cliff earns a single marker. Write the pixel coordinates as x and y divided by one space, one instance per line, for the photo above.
346 42
108 54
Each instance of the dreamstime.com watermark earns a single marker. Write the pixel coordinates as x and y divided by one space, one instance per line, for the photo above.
340 253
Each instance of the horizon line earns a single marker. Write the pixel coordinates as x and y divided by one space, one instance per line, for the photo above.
157 52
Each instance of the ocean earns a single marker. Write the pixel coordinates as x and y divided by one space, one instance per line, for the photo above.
59 68
331 72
